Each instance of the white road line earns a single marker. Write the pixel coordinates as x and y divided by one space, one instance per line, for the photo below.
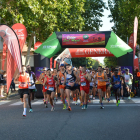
96 101
116 106
39 102
136 100
16 103
4 102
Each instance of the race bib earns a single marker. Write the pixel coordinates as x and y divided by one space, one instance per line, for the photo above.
126 81
62 80
23 84
51 88
83 84
117 83
45 87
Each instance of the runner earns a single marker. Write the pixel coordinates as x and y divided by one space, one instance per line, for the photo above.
101 77
41 80
91 86
128 82
108 83
49 81
94 85
23 80
116 82
70 78
61 77
85 78
32 88
56 84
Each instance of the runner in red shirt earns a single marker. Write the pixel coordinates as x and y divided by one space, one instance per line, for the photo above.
85 78
49 81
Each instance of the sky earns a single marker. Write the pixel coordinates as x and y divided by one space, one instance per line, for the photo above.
106 27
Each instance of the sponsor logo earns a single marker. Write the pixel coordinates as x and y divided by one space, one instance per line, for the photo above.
6 32
116 46
19 32
85 37
71 37
49 47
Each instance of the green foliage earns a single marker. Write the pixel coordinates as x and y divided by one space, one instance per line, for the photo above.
110 61
123 13
46 16
88 62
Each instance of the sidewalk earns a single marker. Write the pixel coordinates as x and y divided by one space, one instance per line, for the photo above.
11 94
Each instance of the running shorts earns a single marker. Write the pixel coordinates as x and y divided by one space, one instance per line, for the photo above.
70 88
62 87
85 89
103 88
23 91
91 87
129 86
49 92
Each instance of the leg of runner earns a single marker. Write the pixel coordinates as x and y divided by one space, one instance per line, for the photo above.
51 100
68 97
62 98
94 92
83 96
100 97
108 93
76 96
29 101
122 91
25 96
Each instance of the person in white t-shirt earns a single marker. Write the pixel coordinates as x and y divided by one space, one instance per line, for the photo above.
128 82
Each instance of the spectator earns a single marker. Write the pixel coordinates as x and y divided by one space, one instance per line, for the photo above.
12 86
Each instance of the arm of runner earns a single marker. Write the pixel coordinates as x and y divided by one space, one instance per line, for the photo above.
64 79
45 80
106 79
95 79
77 77
88 77
16 81
112 81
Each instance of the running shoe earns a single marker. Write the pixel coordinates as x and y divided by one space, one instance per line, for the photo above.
64 106
24 115
31 110
44 102
129 97
46 105
89 101
93 98
117 104
86 106
102 107
108 99
76 103
81 104
83 107
69 108
118 101
52 109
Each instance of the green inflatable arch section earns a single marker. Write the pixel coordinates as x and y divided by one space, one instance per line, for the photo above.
101 39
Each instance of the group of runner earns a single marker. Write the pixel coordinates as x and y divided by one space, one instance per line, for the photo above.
74 82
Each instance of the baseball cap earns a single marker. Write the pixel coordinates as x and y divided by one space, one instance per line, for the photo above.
62 65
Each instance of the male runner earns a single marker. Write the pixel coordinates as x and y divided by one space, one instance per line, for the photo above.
49 81
23 80
108 83
61 77
101 77
56 84
94 85
32 87
70 78
41 80
85 79
116 82
128 82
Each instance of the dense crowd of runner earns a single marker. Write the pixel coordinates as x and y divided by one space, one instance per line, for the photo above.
78 83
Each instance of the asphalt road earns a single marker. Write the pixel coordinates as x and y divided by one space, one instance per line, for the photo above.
110 123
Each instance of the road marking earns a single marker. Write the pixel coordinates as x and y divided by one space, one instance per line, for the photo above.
116 106
17 103
136 100
4 102
39 102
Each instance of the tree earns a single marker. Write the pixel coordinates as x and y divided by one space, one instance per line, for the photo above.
123 13
110 61
46 16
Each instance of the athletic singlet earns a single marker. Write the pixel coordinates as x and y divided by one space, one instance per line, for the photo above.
109 78
61 76
70 78
50 84
117 81
23 81
101 78
84 82
43 81
119 73
32 81
92 83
